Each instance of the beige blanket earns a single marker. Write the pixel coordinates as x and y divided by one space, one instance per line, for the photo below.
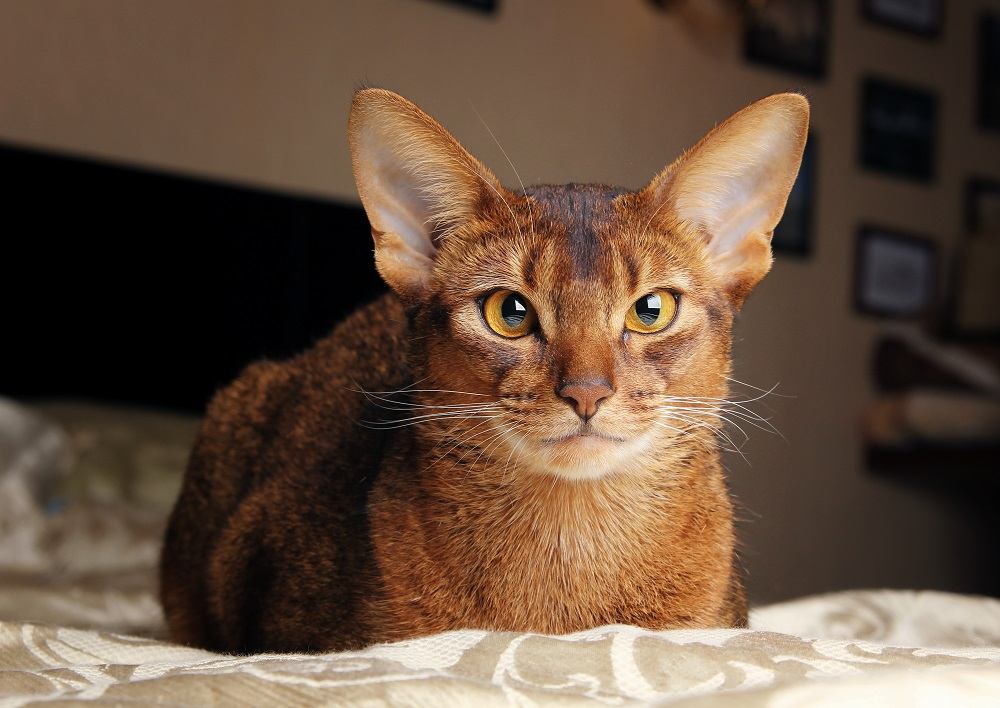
615 665
79 619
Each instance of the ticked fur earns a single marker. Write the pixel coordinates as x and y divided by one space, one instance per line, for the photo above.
416 471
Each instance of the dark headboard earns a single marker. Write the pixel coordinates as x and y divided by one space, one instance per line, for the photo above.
139 286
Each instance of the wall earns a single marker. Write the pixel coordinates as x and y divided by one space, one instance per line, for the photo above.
257 92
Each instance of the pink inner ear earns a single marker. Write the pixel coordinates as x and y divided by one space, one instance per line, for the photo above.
416 182
733 185
742 222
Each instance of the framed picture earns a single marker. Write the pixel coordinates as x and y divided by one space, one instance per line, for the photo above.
989 72
788 34
485 6
923 17
898 129
794 232
982 207
975 289
895 273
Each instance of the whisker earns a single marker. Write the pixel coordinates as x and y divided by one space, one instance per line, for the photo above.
726 407
715 429
409 405
416 420
770 391
685 431
494 443
509 162
728 400
732 447
724 415
422 390
485 181
503 475
464 439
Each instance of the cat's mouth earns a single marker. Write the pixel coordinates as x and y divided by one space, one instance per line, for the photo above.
585 435
584 453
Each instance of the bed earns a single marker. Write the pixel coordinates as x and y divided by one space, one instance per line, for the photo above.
84 491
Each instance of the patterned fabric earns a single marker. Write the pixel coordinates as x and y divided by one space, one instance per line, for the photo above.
898 617
615 665
89 562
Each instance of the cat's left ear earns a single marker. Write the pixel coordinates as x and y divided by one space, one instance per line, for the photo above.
417 183
731 188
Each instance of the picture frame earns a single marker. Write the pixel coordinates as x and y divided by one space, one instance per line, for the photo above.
794 233
895 273
792 35
988 89
920 17
982 206
974 284
487 7
898 129
974 290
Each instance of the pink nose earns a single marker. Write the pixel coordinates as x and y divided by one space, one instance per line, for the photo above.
585 396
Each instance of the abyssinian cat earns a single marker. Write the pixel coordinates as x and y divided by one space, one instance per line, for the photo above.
522 436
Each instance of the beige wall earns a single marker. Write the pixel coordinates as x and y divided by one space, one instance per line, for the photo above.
257 92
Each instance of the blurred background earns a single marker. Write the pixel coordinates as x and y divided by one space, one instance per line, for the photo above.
178 201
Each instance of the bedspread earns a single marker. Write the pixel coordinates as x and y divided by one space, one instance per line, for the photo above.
80 620
614 665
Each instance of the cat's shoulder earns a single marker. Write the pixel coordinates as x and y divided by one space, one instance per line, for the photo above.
377 328
367 349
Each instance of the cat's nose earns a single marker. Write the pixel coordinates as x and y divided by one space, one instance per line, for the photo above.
585 396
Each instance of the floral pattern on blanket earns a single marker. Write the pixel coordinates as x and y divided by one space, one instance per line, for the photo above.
609 665
80 620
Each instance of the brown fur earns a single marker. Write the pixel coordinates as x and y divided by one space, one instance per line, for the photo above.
300 529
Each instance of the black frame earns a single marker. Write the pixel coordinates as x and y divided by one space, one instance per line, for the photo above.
761 45
869 232
988 80
951 327
487 7
801 245
975 188
869 9
888 153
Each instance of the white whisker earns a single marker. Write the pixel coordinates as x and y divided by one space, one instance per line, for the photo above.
509 162
769 391
416 420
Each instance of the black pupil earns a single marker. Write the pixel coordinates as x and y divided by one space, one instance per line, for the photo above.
513 310
648 308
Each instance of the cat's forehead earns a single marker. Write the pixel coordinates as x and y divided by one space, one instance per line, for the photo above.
582 211
574 202
569 242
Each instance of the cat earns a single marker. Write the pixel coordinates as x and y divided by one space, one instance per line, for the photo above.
520 436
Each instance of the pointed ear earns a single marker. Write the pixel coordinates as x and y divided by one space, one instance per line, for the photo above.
416 183
731 188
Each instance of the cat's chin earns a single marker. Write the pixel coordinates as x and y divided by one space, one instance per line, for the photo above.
582 456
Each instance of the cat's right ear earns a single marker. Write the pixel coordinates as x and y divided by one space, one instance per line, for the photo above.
730 189
417 184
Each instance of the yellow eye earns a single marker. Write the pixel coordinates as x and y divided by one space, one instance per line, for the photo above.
509 314
652 312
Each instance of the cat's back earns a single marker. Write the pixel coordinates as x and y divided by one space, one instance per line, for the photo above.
282 429
288 416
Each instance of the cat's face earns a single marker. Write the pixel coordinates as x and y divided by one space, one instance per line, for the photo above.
581 329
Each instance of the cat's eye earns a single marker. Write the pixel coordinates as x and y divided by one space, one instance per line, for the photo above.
508 313
652 312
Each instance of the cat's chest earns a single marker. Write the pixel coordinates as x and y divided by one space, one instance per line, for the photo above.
548 564
565 573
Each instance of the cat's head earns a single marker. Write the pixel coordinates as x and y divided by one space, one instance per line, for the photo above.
587 327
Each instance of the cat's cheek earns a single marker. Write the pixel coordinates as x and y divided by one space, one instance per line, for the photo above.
485 355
